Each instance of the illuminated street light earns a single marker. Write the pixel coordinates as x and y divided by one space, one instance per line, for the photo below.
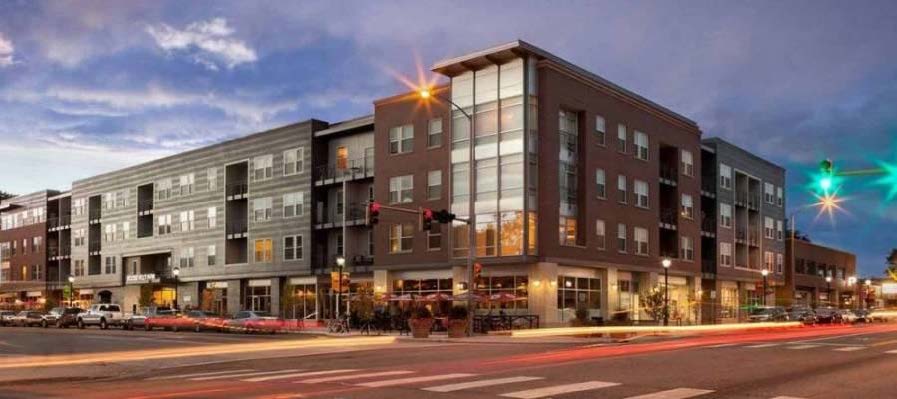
765 273
71 290
666 263
176 272
424 93
868 282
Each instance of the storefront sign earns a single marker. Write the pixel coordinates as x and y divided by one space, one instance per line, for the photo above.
85 292
142 278
303 280
32 294
259 283
217 285
889 288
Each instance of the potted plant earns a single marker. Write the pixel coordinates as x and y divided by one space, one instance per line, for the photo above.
457 322
582 317
421 322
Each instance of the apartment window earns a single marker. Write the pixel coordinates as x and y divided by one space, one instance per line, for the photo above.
293 161
725 254
186 185
688 163
621 188
261 209
688 248
780 197
640 235
186 259
434 184
725 176
768 260
36 243
263 167
688 207
13 251
121 199
434 133
110 265
163 189
601 183
780 263
292 247
110 233
401 238
164 224
769 228
434 241
78 206
600 130
187 220
600 233
108 202
211 254
401 139
769 194
621 237
641 145
212 216
125 231
342 158
78 237
640 189
340 203
35 272
780 233
401 189
621 138
264 250
567 231
340 242
725 215
79 268
212 178
294 204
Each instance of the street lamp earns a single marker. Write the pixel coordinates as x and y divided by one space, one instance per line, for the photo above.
865 293
828 290
340 263
425 94
765 273
666 263
71 290
852 281
176 272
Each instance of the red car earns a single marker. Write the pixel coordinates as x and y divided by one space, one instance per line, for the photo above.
248 321
202 320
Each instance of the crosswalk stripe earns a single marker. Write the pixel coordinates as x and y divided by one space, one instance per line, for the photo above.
559 389
354 376
678 393
850 349
221 377
294 375
412 380
761 346
171 377
799 347
480 384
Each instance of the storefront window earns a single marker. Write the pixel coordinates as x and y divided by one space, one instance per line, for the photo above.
304 303
258 298
516 285
728 303
579 292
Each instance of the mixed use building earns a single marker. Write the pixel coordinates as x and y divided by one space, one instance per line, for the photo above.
580 188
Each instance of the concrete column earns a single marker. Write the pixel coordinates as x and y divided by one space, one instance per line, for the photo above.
188 294
610 297
234 297
543 292
275 296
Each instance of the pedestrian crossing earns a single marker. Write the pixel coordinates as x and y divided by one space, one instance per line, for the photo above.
515 386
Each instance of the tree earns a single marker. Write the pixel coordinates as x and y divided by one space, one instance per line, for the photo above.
146 296
891 260
653 303
5 195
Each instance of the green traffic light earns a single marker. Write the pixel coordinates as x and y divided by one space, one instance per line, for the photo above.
825 183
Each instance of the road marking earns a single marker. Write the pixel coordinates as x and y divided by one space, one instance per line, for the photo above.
354 376
761 346
412 380
480 384
849 348
801 347
221 377
720 345
559 389
171 377
678 393
294 375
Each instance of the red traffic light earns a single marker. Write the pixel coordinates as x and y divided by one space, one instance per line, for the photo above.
372 214
426 219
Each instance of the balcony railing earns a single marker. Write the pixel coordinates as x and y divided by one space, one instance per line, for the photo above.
144 206
353 212
741 234
669 173
237 228
236 189
669 216
708 224
352 169
750 200
708 185
93 246
52 222
94 214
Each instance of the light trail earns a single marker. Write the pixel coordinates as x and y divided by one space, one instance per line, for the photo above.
223 349
567 331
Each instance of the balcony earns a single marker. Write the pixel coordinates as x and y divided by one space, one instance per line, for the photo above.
708 187
741 236
708 266
237 230
58 252
237 191
94 215
669 219
751 201
708 226
93 247
754 239
330 218
669 175
352 169
145 207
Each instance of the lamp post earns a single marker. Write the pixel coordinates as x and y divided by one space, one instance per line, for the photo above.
340 264
765 273
666 263
866 288
176 272
852 281
425 94
828 290
71 290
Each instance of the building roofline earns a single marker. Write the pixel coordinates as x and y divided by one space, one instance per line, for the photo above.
409 95
521 47
347 125
826 247
717 140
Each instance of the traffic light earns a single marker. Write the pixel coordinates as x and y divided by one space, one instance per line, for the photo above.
444 216
477 272
826 173
372 213
425 221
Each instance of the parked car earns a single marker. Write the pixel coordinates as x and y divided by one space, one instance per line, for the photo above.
829 316
863 316
166 319
138 320
849 316
68 317
27 318
102 315
768 313
6 317
804 315
249 321
50 317
203 320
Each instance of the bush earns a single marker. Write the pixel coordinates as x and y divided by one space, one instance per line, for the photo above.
458 313
421 312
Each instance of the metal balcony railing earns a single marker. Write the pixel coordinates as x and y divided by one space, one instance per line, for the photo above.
95 214
93 246
145 206
708 224
235 189
353 212
668 172
669 216
708 266
352 168
52 222
237 227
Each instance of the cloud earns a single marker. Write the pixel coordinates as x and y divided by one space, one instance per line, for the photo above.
209 43
6 51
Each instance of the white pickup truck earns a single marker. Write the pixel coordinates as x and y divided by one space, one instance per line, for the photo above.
103 315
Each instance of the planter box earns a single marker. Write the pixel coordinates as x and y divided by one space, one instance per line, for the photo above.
420 328
457 328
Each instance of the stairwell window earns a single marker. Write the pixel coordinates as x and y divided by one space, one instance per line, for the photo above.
641 145
688 248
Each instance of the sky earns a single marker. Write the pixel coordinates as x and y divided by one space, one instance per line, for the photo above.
92 86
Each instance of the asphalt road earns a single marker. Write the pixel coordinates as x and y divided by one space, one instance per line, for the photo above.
822 362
